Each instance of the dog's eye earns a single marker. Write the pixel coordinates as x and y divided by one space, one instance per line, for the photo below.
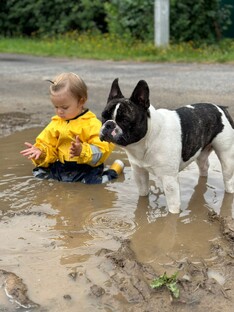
104 115
124 119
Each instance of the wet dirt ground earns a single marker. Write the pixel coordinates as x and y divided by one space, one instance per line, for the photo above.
73 247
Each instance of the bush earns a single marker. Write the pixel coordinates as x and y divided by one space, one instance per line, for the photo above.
205 20
132 18
200 20
48 18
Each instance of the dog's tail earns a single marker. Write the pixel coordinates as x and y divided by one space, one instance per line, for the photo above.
228 116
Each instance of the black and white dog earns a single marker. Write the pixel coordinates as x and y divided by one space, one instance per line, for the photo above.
163 142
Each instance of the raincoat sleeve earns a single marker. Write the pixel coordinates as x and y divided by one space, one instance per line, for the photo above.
94 151
46 141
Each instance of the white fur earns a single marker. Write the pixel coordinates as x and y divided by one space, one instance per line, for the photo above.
159 153
115 111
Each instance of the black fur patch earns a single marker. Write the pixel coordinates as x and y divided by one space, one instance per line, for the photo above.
200 125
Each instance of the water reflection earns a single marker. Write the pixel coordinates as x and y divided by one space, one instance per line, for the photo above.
161 235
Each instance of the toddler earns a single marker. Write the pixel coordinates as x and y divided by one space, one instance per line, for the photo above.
69 148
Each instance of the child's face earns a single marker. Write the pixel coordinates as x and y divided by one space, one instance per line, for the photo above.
66 106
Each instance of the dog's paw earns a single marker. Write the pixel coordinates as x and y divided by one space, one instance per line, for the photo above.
144 193
229 186
174 209
229 189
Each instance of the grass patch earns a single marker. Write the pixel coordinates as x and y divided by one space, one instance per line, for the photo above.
169 282
106 47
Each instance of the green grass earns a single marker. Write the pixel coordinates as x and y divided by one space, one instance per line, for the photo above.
105 47
169 282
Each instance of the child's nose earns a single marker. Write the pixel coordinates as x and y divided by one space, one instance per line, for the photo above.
59 111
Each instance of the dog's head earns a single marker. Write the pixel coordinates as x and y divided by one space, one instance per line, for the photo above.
125 119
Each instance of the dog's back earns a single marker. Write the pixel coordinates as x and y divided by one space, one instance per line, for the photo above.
200 124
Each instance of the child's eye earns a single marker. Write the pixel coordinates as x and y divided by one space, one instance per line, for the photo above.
61 107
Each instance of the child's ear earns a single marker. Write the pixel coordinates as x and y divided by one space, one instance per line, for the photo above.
81 101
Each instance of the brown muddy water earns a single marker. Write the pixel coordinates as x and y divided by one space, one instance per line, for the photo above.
51 232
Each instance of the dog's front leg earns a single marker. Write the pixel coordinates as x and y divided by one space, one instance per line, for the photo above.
172 192
141 177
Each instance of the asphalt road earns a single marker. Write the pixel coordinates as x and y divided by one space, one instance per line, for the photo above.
24 88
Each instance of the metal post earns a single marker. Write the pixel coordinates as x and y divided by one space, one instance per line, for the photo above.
161 22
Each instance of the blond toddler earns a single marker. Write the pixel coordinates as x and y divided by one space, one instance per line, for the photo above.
69 148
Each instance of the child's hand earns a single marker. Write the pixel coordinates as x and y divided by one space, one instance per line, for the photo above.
31 151
76 147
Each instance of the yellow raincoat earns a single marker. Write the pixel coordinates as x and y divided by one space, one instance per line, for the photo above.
55 141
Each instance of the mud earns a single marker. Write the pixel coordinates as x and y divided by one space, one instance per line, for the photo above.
11 122
198 286
71 248
16 290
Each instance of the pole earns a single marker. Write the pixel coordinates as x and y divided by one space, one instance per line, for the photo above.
161 22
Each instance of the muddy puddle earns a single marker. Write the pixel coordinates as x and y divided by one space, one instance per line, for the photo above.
55 236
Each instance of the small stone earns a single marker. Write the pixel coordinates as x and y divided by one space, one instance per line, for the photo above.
67 297
97 290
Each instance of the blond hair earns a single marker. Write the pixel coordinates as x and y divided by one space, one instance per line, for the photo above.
72 83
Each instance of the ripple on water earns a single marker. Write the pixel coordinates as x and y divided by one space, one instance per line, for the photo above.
112 222
118 221
17 192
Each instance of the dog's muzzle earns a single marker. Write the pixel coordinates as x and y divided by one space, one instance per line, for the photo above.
110 131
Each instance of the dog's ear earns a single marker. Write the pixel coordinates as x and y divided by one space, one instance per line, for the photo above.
140 94
115 92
